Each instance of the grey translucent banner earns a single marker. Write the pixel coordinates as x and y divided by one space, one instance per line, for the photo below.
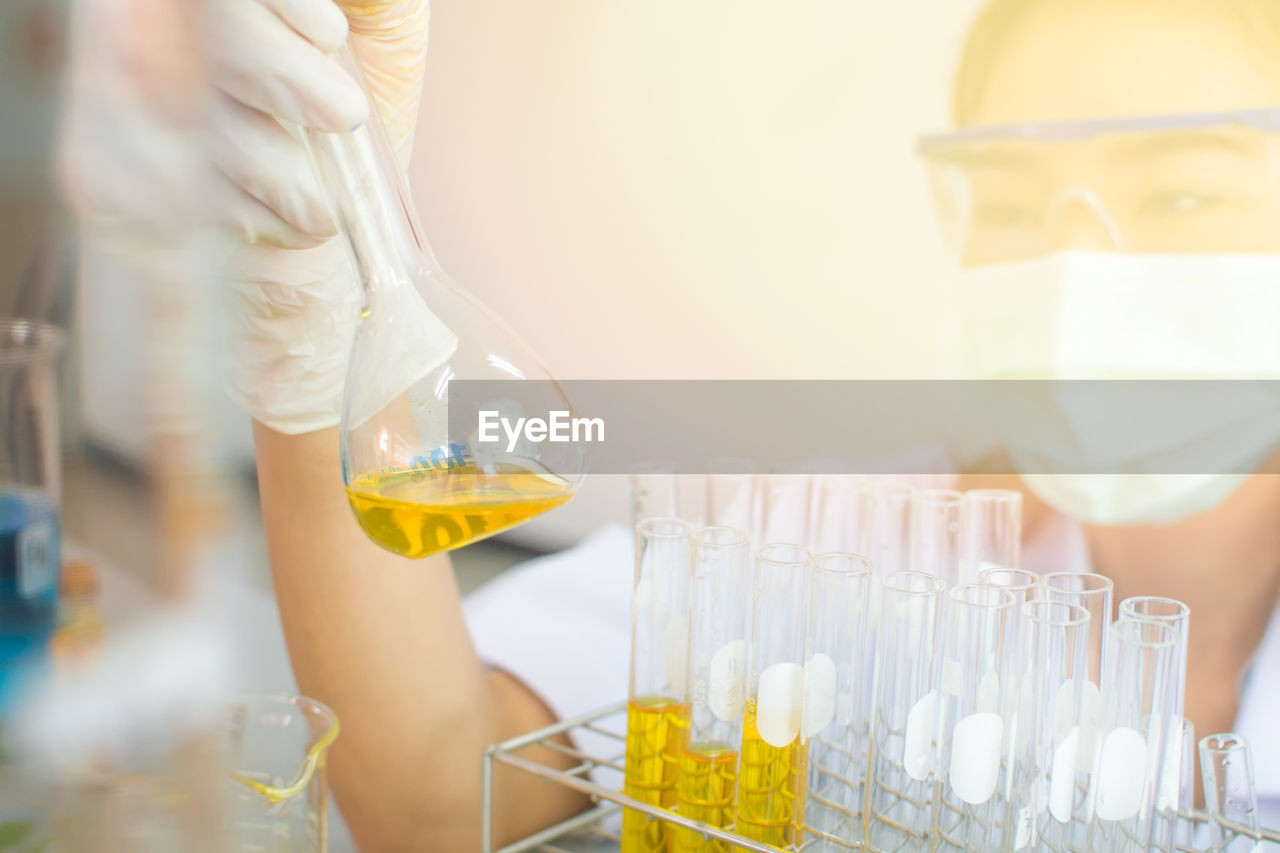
877 427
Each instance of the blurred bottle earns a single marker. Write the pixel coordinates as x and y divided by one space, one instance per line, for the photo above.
30 531
80 627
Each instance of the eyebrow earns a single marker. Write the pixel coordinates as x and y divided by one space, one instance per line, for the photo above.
1183 142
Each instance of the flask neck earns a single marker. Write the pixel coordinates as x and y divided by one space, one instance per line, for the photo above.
369 198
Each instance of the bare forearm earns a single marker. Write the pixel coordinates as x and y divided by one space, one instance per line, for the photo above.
382 640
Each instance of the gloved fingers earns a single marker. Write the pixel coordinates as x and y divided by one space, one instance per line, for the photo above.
257 154
390 41
295 315
320 22
262 62
257 223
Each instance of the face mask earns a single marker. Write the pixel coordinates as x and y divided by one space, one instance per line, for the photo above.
1094 315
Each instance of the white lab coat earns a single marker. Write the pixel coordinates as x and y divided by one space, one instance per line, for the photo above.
561 624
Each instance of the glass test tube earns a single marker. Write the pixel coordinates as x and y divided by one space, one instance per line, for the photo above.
1054 761
1175 614
1135 718
1025 587
784 508
837 698
891 525
974 712
720 600
1185 831
1094 593
653 491
692 498
897 816
659 649
731 494
1229 794
992 532
771 765
841 516
936 521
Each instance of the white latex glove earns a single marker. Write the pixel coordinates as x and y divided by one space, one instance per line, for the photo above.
298 299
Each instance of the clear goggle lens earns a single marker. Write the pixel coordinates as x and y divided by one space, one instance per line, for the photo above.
1172 184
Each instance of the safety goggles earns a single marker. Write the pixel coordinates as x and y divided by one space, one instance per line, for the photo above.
1206 182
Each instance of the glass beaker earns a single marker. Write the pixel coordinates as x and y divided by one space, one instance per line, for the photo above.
30 532
275 751
452 429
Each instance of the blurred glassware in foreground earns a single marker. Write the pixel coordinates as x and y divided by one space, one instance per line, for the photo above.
30 533
1229 795
275 748
80 626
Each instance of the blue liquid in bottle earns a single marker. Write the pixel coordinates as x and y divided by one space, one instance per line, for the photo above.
30 563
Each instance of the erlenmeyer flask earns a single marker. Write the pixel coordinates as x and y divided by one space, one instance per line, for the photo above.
421 474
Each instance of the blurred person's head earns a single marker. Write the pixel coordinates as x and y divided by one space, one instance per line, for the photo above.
1113 187
1073 81
1048 60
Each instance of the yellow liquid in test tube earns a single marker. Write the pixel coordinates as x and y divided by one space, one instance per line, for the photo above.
770 787
705 787
653 750
417 513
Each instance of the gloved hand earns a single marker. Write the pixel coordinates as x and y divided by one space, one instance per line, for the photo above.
299 301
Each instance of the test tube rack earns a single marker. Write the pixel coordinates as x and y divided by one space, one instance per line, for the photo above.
599 777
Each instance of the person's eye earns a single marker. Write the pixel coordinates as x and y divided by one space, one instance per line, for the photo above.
1176 203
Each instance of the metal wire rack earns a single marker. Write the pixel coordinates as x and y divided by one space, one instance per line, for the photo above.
600 778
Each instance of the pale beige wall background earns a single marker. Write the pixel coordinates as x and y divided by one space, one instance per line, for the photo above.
691 190
710 190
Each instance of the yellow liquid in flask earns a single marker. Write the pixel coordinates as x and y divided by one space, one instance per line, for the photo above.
653 751
417 513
